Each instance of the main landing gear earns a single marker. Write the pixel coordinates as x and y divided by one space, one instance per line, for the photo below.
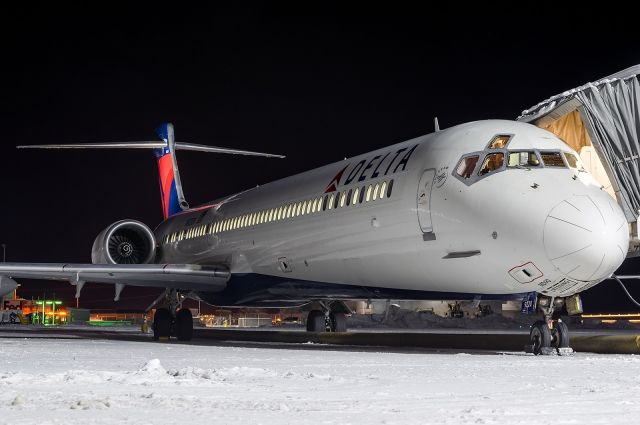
172 320
551 335
331 318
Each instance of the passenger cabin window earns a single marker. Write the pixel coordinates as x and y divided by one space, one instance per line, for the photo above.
523 159
499 142
571 160
466 167
335 200
368 198
552 159
492 162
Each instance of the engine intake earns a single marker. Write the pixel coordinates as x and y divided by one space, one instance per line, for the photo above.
124 242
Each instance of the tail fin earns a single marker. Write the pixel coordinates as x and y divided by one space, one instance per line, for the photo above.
172 196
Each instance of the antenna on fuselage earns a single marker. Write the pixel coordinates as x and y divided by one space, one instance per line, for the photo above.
435 124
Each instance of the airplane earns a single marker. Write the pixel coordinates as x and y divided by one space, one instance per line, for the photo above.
486 210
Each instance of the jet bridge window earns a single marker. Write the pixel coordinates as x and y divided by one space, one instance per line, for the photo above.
492 162
466 166
523 159
552 159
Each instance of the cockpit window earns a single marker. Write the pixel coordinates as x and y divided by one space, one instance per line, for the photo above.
499 142
492 162
466 166
571 160
552 159
523 159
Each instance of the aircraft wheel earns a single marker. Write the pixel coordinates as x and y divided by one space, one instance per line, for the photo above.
540 337
161 324
338 322
184 325
316 321
560 335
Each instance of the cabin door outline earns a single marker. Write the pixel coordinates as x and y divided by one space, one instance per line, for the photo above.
423 200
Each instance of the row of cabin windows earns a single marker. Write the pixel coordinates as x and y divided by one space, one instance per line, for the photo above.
353 196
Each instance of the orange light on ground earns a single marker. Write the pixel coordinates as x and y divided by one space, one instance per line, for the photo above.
611 316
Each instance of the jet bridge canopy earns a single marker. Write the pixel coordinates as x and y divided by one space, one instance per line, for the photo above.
601 121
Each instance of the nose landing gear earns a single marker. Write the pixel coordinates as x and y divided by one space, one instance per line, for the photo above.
551 335
330 319
549 339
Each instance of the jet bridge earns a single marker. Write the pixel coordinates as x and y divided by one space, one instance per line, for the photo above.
601 121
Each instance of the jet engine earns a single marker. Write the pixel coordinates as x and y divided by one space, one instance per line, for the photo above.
124 242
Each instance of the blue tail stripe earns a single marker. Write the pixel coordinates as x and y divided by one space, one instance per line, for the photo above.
174 204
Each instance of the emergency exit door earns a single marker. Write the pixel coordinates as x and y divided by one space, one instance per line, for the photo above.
424 200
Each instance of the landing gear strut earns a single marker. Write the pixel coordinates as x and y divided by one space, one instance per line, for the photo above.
172 320
326 320
551 335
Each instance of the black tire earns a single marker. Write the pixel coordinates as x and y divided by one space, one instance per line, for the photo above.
560 335
184 325
540 337
338 322
161 324
316 321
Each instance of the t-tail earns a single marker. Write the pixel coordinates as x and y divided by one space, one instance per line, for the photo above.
171 194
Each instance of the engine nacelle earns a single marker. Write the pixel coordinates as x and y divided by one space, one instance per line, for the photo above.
124 242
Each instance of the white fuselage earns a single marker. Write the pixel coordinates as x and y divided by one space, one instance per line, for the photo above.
549 229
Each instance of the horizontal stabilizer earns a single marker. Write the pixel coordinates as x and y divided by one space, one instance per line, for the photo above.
151 145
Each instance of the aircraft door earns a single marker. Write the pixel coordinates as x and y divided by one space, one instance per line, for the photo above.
424 200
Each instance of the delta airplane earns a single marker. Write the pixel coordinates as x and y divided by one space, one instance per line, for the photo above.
488 210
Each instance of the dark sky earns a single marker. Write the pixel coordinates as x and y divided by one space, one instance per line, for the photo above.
316 85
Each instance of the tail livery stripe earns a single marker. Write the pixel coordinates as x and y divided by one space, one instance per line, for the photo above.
168 191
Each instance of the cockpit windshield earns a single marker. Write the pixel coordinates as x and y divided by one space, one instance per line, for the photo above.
526 159
552 159
496 157
466 166
571 160
492 162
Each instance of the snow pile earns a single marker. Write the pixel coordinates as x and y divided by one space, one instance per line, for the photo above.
113 382
399 318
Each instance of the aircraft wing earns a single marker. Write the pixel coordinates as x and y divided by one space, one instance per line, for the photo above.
179 276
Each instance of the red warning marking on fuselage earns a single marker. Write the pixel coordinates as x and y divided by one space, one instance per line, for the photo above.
333 186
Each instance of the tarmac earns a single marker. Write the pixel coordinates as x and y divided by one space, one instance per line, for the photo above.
603 341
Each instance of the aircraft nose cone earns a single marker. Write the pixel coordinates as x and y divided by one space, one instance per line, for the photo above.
586 237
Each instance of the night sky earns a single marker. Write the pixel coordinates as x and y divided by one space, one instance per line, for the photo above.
316 85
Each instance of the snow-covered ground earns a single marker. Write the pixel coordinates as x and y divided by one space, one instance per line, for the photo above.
69 381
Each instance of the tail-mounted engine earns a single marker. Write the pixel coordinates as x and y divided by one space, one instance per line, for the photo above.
124 242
